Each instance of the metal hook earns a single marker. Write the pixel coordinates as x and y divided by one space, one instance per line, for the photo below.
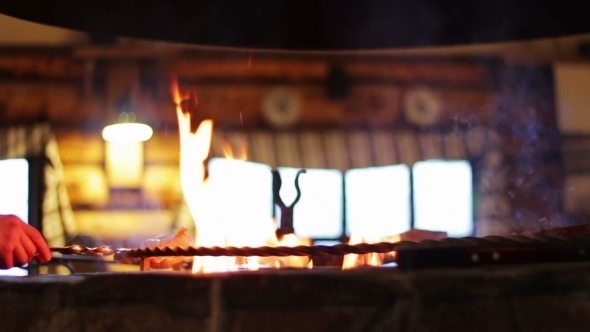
286 226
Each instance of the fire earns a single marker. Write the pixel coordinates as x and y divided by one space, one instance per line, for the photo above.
351 261
194 150
229 153
288 240
374 259
216 228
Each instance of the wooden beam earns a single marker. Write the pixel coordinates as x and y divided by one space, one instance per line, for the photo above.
126 52
53 51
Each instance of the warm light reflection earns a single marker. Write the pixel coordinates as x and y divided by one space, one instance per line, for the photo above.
124 164
127 132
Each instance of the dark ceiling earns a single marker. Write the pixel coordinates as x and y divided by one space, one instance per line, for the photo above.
313 24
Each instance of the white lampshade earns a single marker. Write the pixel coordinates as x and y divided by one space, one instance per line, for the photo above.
127 132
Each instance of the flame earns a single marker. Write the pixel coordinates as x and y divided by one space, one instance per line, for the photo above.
288 240
194 150
228 152
374 259
212 230
212 227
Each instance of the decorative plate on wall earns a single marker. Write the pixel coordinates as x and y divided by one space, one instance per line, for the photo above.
422 106
281 108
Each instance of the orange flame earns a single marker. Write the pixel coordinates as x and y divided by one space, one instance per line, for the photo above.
228 151
374 259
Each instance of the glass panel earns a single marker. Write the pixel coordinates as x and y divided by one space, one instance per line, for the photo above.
326 243
443 197
14 188
243 197
378 200
14 196
319 212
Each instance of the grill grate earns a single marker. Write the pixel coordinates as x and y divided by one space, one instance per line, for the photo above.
561 245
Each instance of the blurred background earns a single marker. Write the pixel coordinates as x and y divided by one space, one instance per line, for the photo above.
468 140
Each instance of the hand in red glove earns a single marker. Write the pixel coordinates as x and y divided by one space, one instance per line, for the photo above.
20 243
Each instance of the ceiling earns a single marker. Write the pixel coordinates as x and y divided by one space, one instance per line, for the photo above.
19 33
16 32
308 25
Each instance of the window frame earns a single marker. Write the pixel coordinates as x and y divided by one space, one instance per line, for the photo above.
343 238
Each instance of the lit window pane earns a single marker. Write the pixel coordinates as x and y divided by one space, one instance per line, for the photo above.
14 187
14 196
378 200
443 198
243 195
319 212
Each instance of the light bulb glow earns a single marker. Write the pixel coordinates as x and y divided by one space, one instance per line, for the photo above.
127 132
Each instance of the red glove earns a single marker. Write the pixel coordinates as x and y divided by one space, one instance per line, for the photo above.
20 243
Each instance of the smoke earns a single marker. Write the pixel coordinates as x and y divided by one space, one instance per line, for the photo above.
526 121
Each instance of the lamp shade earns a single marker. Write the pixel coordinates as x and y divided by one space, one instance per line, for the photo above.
127 132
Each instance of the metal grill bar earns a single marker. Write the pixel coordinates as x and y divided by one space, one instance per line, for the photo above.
450 252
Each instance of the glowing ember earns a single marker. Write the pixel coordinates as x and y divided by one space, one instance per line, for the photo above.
374 259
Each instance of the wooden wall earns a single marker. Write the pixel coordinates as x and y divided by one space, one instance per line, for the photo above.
79 93
74 92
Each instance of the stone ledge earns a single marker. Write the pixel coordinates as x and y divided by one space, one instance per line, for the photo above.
551 297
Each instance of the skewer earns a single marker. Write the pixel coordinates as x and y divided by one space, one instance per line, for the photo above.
125 254
81 250
525 243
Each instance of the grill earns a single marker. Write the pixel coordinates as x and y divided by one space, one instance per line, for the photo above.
532 297
559 245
